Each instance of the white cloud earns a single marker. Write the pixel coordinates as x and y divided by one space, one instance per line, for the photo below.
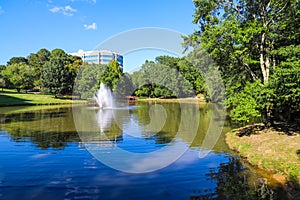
92 26
67 10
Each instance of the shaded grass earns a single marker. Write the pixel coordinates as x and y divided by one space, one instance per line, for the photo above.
269 149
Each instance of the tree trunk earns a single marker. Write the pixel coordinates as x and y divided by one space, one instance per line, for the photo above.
264 59
268 121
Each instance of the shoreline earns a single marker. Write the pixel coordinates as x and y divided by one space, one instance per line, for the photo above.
172 100
274 151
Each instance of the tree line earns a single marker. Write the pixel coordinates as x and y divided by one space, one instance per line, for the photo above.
57 73
51 72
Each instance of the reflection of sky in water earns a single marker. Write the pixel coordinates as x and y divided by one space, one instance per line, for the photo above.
133 132
128 123
73 172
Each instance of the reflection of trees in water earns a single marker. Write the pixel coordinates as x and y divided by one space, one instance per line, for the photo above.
184 115
95 125
232 180
51 128
56 140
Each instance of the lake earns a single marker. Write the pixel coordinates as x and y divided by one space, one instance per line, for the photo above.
143 151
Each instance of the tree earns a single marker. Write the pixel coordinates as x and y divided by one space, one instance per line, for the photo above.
55 77
2 83
15 60
187 71
285 83
2 80
125 86
59 73
243 37
111 75
37 61
162 79
20 75
87 80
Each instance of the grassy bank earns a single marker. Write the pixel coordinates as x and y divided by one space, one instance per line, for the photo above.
276 150
10 98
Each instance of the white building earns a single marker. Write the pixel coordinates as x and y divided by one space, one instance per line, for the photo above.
99 57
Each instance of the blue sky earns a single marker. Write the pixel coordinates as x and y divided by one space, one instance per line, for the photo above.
29 25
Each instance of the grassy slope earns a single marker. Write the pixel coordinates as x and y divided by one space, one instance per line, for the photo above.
271 150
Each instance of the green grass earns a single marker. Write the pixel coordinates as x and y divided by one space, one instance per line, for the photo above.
11 98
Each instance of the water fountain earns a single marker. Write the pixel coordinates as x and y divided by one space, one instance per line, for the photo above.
104 97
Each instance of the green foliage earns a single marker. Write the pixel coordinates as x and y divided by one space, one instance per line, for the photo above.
87 80
59 73
167 77
286 81
54 77
20 75
124 87
16 60
111 75
37 61
242 103
255 45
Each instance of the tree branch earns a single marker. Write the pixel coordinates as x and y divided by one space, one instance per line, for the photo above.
276 15
235 7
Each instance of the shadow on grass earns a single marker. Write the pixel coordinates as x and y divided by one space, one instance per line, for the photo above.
9 92
6 100
289 129
250 130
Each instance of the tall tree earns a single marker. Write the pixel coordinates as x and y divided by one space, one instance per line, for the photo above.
58 74
242 37
37 61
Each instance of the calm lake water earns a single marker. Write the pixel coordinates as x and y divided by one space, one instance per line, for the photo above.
58 153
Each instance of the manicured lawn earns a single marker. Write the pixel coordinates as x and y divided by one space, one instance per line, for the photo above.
10 98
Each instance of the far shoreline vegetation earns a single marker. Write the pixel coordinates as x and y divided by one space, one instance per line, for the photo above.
256 48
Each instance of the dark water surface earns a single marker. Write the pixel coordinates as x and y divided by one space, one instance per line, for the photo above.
42 156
